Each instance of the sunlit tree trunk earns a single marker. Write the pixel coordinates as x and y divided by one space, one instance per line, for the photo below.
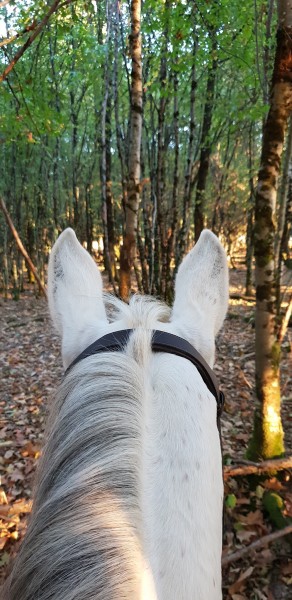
268 438
128 249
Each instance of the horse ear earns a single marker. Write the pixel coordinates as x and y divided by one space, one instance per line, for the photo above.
75 295
201 293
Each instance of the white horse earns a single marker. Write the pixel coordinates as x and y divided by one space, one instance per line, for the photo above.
128 499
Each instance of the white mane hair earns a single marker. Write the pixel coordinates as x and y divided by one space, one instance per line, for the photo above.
128 495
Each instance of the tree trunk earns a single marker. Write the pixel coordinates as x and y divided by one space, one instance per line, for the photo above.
172 234
183 234
250 217
144 247
161 232
107 199
285 250
267 66
128 249
282 211
108 187
217 221
268 438
21 247
249 250
153 258
205 139
56 155
119 131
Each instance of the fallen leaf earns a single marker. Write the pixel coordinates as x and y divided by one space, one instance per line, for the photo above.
240 582
245 536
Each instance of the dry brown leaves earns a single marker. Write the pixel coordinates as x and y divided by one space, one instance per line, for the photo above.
29 372
30 369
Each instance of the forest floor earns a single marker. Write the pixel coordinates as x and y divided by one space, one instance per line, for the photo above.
30 369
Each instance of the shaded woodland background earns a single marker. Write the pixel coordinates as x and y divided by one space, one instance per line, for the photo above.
212 139
65 127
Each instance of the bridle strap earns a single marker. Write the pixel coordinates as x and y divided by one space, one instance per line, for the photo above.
162 341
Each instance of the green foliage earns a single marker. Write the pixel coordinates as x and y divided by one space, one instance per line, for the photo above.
57 90
230 501
274 505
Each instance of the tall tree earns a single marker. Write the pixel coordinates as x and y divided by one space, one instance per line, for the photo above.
106 162
268 436
183 234
206 144
128 249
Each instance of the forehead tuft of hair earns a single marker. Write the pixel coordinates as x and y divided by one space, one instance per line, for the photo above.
142 311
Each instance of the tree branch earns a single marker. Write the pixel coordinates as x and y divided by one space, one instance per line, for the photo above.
30 40
243 297
258 468
21 247
7 41
266 539
31 27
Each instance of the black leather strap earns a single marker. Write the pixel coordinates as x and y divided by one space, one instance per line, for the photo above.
162 341
111 342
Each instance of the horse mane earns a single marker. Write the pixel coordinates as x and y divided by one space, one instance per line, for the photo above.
84 538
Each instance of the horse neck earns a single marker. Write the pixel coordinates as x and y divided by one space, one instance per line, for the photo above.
181 480
129 492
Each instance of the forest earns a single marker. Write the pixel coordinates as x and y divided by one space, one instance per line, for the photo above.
139 124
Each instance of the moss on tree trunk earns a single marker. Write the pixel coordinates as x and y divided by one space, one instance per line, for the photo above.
268 438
